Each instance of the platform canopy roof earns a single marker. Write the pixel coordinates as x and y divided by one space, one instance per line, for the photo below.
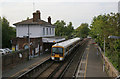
52 39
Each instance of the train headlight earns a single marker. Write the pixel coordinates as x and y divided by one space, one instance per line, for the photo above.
61 59
52 58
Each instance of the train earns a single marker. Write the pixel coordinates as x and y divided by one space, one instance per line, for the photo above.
60 50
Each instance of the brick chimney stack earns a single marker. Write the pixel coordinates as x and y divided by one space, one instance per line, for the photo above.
49 19
36 16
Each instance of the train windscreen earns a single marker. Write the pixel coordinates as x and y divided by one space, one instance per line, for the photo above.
57 50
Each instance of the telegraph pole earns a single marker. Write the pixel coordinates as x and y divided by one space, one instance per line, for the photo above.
29 42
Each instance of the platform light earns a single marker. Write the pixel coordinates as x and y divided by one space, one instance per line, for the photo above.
115 37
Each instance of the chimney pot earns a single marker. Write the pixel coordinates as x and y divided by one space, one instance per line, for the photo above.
36 16
49 19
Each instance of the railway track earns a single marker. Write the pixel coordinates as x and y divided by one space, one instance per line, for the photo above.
52 69
36 70
70 70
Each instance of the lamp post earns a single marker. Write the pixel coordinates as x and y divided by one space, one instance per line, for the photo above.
104 55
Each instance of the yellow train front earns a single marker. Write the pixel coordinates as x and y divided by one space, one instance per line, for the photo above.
57 53
61 50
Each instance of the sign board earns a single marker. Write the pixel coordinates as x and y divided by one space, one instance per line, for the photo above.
13 48
37 49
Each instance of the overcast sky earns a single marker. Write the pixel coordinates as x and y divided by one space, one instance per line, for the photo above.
75 11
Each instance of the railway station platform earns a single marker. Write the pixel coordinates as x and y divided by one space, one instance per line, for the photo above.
23 67
91 64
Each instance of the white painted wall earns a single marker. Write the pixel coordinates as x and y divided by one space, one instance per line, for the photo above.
46 35
21 31
34 30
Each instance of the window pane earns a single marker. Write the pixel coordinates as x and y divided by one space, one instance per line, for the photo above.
26 47
43 31
57 50
47 31
50 31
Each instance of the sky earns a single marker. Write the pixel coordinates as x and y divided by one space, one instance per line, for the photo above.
75 11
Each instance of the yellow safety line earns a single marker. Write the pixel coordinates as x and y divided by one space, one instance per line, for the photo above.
86 65
26 68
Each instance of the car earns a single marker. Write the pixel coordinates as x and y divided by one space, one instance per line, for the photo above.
8 50
118 77
2 51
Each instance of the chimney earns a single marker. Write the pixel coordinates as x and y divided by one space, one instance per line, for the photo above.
49 19
36 16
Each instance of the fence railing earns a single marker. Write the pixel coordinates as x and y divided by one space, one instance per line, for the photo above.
109 68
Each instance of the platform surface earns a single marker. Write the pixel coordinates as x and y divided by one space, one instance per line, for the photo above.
91 64
94 62
22 67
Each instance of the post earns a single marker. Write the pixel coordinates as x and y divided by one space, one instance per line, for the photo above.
104 55
28 42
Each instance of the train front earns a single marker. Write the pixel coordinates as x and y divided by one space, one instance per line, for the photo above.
57 53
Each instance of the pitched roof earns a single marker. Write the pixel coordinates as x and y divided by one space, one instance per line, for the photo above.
30 21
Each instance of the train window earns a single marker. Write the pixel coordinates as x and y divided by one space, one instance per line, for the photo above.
57 50
66 49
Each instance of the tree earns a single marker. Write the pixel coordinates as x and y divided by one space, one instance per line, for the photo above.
69 30
59 29
104 26
82 30
62 30
7 33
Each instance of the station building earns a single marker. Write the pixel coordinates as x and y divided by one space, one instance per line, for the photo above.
37 33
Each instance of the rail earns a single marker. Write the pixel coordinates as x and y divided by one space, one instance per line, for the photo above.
68 65
22 76
64 68
36 69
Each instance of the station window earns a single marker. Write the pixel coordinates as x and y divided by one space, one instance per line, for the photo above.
43 31
26 46
47 31
50 31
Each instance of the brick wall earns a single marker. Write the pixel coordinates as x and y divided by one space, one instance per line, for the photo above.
21 42
12 59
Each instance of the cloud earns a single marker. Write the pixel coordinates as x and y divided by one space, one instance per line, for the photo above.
76 12
59 0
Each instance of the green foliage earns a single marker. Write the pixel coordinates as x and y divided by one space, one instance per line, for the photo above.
7 33
104 26
82 30
62 30
27 18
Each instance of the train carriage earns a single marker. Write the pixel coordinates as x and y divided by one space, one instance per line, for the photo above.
61 50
